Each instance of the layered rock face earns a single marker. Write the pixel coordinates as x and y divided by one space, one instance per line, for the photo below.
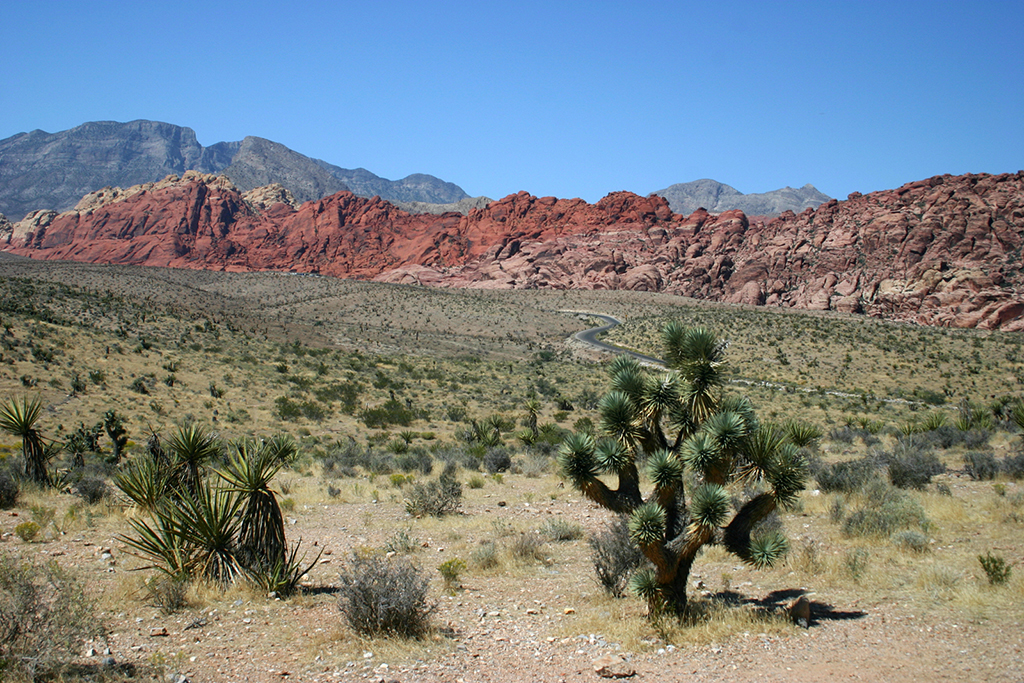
943 251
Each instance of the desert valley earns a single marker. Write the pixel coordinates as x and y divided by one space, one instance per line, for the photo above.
265 426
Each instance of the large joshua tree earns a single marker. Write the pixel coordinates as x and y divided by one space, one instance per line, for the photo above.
699 449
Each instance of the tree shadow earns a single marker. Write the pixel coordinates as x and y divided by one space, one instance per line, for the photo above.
779 601
820 611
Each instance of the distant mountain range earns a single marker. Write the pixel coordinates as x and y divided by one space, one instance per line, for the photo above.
716 197
41 170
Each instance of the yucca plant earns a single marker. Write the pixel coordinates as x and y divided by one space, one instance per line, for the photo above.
251 467
191 447
146 481
163 542
19 419
669 424
802 434
209 523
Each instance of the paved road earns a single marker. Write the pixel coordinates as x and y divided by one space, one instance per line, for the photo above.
590 337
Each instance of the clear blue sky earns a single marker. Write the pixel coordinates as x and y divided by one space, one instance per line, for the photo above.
573 99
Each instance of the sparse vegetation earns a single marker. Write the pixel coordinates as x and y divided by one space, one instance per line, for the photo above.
45 619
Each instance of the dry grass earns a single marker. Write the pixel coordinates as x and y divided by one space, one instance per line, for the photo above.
486 353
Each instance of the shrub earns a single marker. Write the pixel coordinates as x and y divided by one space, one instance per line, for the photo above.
615 558
436 498
401 543
9 490
391 412
27 531
560 530
450 571
845 476
526 547
167 593
913 541
996 569
856 562
1013 466
884 511
44 619
980 466
914 469
91 489
384 596
416 459
801 434
486 556
139 386
475 482
497 460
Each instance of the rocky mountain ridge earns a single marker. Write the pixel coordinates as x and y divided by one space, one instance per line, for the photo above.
716 197
940 251
40 170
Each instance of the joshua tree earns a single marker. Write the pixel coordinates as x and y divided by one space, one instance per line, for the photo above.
114 426
686 434
20 420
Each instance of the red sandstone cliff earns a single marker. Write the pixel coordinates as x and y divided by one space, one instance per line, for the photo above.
942 251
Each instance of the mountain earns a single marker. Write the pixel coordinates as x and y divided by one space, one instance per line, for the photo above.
412 188
941 251
717 197
41 170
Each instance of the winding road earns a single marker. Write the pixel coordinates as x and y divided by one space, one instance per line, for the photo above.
589 337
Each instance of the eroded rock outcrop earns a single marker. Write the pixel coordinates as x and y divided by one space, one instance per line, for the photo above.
942 251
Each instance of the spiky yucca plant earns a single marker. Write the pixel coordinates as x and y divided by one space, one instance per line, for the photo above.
680 428
19 419
191 447
250 469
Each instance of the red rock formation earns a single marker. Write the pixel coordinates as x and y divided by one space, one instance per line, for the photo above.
942 251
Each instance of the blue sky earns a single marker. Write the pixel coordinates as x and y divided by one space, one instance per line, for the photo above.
572 99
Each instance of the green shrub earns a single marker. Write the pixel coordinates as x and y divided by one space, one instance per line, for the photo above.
801 434
27 531
45 619
384 596
390 413
884 511
996 568
450 571
475 482
436 498
401 543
